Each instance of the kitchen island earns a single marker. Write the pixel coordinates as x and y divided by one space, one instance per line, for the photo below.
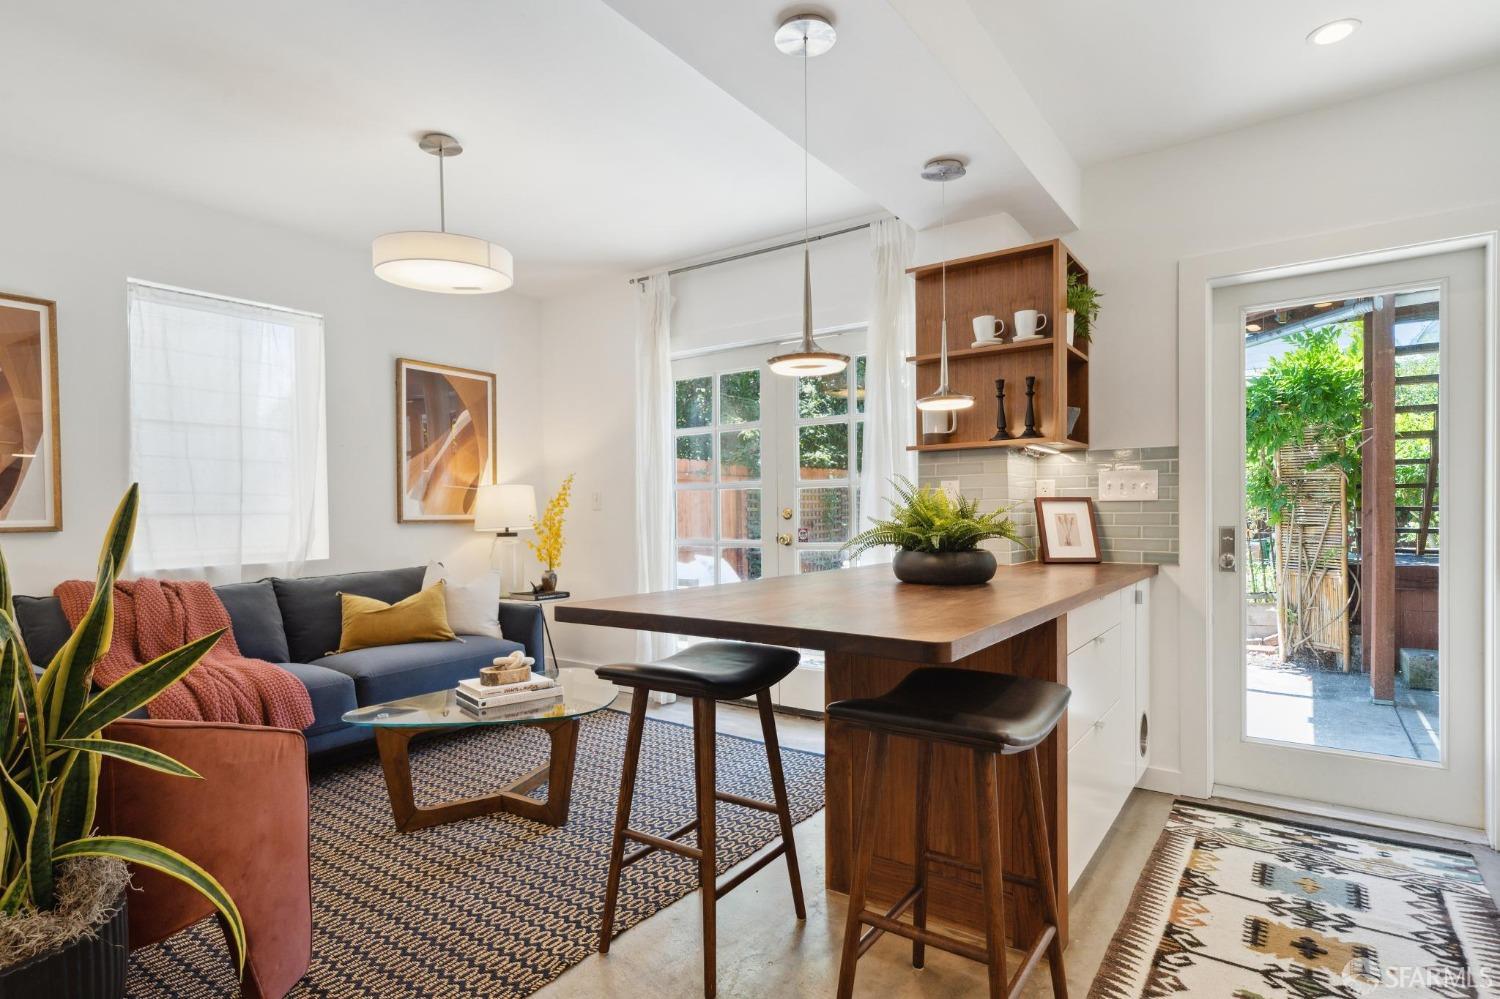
874 630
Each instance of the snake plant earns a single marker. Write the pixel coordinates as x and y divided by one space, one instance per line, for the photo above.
51 747
924 519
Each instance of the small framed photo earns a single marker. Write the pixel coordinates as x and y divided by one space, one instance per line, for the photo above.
1065 525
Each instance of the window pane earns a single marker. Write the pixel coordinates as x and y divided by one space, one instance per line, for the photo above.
740 565
825 514
739 456
739 514
859 382
695 402
825 395
695 513
859 449
739 397
819 561
695 566
823 451
695 458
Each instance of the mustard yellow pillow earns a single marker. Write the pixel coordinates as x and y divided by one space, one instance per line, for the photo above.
421 617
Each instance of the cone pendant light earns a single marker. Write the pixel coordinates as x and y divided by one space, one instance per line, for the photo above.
944 399
806 35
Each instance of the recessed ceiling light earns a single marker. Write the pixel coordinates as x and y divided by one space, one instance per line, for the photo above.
1334 31
1252 327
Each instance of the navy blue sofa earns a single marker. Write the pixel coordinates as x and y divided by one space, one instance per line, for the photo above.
295 623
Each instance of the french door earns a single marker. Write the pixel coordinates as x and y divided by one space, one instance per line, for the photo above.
767 477
1348 456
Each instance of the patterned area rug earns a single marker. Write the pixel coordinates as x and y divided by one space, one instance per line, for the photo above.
491 906
1238 906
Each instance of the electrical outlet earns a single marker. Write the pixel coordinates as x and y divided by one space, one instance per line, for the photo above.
598 499
1127 485
1046 487
950 486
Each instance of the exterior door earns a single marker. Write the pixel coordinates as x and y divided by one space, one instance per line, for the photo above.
1348 455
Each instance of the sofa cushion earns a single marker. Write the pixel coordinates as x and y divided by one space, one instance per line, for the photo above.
44 627
390 672
332 694
256 618
310 611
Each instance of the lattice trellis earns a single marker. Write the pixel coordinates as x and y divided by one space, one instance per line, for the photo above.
1313 601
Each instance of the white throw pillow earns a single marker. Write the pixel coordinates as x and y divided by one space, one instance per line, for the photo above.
473 607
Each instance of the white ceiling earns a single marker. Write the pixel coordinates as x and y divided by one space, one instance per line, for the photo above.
1115 78
588 147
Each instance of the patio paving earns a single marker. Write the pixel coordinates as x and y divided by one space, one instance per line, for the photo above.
1307 706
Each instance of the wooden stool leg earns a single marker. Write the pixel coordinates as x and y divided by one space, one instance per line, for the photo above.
992 865
783 807
622 814
919 907
708 870
1035 805
864 854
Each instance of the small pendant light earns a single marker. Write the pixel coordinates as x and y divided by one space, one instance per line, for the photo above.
806 35
944 399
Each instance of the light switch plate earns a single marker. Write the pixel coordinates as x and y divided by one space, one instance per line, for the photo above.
1125 485
951 487
1046 487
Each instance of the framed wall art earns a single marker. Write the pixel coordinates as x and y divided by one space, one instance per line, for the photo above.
30 446
445 440
1065 526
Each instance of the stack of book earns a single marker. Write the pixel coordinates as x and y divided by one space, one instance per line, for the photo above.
476 698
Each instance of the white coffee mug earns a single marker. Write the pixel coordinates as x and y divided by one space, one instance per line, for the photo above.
1029 323
988 329
937 423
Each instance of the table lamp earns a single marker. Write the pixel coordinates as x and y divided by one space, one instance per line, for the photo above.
504 511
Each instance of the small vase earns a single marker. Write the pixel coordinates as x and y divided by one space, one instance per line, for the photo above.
1071 317
548 583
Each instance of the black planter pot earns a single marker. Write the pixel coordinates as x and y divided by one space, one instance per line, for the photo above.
945 568
84 969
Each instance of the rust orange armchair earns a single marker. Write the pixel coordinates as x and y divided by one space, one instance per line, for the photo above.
245 822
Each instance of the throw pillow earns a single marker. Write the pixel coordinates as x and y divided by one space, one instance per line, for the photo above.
421 617
473 607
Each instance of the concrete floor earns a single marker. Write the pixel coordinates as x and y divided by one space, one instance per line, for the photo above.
764 951
1330 709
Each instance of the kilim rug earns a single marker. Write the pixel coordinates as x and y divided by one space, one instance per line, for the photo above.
497 905
1243 907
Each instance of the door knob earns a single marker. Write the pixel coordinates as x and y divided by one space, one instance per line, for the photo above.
1228 544
783 539
786 513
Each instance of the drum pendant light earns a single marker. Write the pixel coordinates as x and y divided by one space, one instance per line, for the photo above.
442 261
944 399
806 35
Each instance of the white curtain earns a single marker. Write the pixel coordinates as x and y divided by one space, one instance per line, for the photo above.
654 469
227 436
890 397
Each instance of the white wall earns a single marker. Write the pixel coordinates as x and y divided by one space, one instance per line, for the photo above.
75 240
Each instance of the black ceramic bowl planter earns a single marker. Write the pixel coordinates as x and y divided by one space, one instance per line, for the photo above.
945 568
91 966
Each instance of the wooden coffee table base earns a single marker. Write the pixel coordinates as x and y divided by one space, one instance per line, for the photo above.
512 799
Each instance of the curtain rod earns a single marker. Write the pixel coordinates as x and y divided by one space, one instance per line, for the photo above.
754 253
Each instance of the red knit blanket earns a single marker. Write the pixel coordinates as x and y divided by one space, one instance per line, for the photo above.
153 617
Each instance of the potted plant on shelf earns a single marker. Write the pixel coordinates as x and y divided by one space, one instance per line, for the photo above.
936 536
548 545
1083 308
62 887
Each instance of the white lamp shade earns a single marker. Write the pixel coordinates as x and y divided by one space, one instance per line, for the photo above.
500 509
443 262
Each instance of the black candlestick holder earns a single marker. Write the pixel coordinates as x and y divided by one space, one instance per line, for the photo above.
1002 432
1031 430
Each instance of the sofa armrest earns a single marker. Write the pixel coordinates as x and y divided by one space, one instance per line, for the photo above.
522 622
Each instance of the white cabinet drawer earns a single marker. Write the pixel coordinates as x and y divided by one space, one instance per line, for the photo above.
1092 620
1099 673
1101 772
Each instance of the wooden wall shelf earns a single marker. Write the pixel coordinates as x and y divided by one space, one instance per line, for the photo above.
1002 283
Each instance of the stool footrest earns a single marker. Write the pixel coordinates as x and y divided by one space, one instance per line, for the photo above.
668 842
743 802
759 862
932 939
893 913
1032 957
948 860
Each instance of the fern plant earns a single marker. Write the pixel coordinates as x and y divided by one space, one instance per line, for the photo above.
924 519
51 747
1083 299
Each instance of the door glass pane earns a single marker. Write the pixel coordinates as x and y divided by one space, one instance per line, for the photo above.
694 402
695 458
695 566
823 451
859 390
825 515
739 514
695 513
819 561
825 395
739 397
740 565
739 456
1342 542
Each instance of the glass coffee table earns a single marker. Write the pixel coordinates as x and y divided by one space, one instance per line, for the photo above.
580 693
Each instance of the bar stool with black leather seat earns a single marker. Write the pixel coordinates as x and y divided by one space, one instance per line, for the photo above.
708 673
993 715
